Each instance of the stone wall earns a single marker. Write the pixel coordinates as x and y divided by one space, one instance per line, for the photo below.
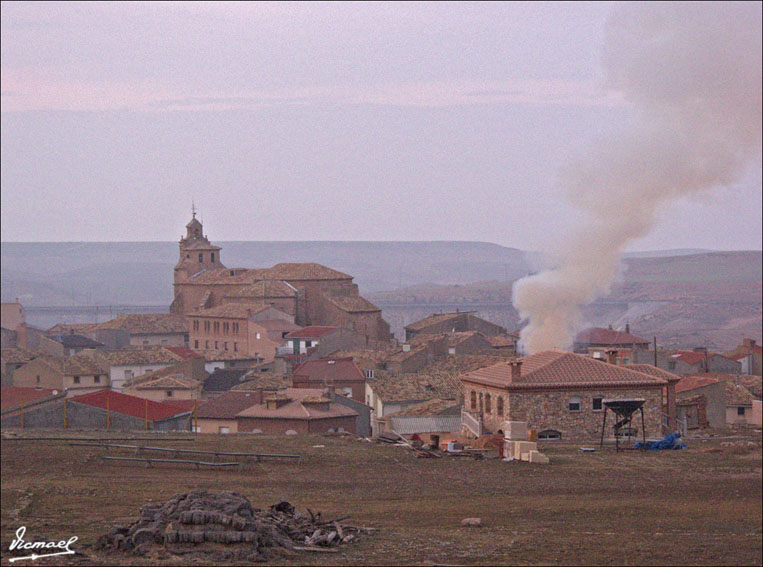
550 410
301 426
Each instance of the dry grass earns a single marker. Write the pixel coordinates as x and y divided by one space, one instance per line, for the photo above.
694 507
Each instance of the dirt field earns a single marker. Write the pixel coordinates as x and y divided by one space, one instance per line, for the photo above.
701 506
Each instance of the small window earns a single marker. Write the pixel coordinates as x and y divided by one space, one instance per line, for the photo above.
225 345
212 257
96 379
195 344
671 365
169 393
574 404
740 411
235 347
217 345
499 405
487 403
224 430
548 434
257 336
597 404
38 378
474 400
201 258
76 379
206 345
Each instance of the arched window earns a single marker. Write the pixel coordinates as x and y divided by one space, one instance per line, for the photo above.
499 405
487 403
474 400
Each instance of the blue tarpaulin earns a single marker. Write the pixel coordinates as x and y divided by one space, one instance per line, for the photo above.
669 443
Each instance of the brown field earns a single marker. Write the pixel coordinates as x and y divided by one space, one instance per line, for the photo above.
701 506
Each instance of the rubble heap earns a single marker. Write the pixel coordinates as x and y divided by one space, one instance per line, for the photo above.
225 524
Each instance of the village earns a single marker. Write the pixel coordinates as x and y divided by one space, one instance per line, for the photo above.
295 349
278 368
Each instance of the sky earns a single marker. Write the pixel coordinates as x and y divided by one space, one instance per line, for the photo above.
318 121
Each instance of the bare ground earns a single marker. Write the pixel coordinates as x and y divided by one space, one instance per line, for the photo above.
701 506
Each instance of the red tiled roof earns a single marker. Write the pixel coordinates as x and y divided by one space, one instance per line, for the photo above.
261 289
555 369
298 407
311 332
13 397
305 271
737 395
498 341
353 304
694 381
227 405
599 336
183 352
128 405
329 370
689 356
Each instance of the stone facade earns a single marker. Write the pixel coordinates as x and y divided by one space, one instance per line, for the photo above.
312 294
549 409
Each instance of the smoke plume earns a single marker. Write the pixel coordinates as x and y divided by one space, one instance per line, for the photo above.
693 73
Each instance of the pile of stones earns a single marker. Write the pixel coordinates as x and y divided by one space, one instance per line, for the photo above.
226 525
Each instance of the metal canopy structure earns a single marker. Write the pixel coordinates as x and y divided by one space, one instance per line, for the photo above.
623 410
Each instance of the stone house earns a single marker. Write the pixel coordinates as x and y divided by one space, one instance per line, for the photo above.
468 342
330 338
340 375
311 293
238 327
685 362
181 381
559 394
417 354
433 418
738 404
67 345
460 321
13 358
291 411
143 329
750 356
78 374
701 401
128 363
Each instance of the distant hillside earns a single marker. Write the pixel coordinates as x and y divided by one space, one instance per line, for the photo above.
690 298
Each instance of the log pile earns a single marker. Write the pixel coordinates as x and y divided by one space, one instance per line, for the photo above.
419 450
226 525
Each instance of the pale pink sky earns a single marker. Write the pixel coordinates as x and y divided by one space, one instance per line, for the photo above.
316 121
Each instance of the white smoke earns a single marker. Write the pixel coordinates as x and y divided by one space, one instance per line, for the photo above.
693 72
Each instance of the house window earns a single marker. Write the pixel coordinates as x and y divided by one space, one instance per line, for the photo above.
226 327
96 379
128 375
38 378
487 403
225 345
223 429
548 434
671 365
195 344
217 345
201 258
740 411
217 326
169 393
212 257
206 326
499 405
206 345
574 404
474 400
597 404
480 406
235 347
257 336
195 324
76 379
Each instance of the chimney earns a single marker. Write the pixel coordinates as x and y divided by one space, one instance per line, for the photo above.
516 370
628 328
749 342
612 356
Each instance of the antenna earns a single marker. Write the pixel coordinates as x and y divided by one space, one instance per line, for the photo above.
193 209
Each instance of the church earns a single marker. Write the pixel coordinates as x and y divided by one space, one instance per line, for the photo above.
311 293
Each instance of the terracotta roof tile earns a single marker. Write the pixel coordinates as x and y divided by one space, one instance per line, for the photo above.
311 332
654 371
296 409
227 405
693 382
18 355
132 356
432 320
170 382
128 405
597 335
13 397
555 369
435 406
263 289
353 304
305 271
231 310
737 395
325 371
148 324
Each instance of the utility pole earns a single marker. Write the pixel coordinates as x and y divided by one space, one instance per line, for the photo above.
655 350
